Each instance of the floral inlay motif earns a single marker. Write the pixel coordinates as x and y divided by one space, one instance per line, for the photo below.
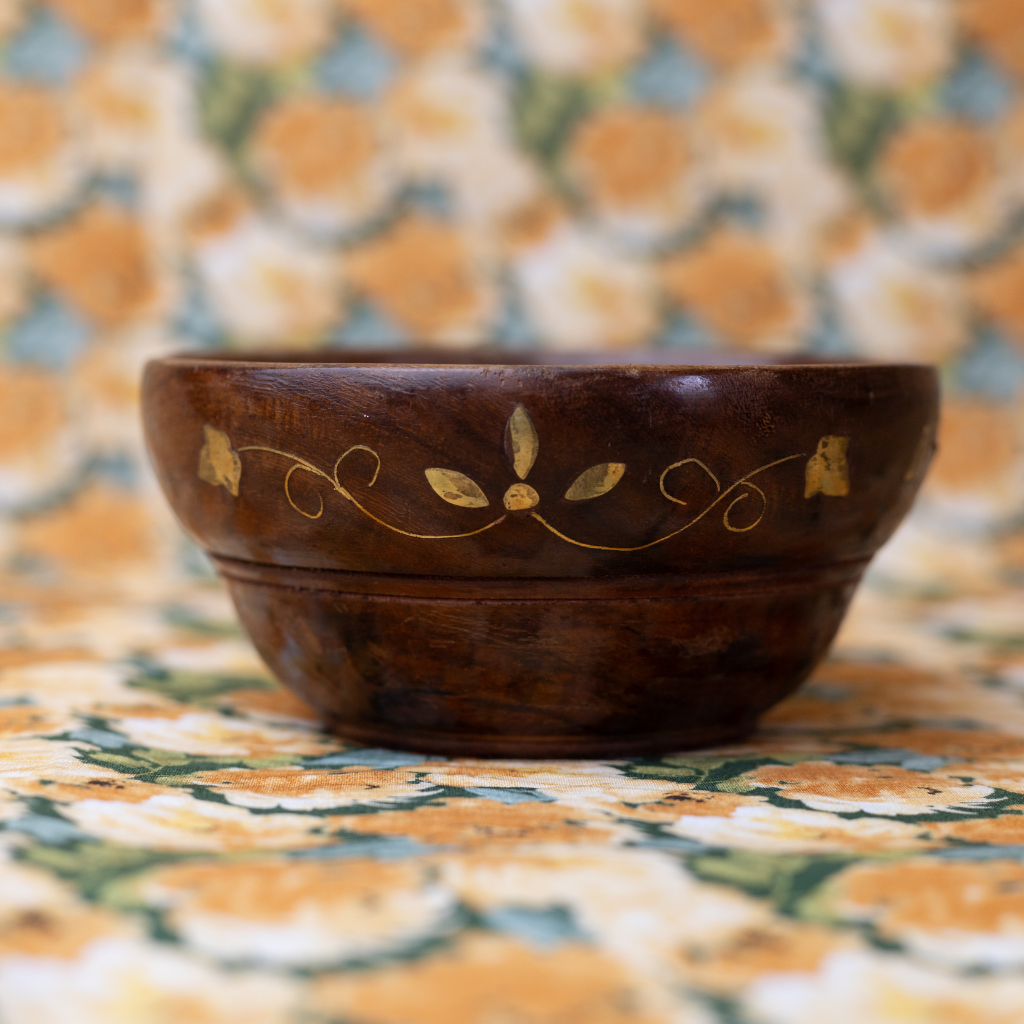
826 473
522 445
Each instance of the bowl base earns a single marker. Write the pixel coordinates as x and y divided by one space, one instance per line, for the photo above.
533 668
540 747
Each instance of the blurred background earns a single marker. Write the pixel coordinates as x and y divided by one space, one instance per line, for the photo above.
840 176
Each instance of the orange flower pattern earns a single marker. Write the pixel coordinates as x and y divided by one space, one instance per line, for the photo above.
179 842
164 805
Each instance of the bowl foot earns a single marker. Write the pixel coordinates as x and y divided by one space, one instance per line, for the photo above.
531 668
542 747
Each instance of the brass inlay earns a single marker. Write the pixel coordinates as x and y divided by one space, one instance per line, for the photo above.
522 442
827 472
303 465
456 488
219 464
742 482
520 496
597 480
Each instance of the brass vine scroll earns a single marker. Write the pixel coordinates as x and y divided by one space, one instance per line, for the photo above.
826 473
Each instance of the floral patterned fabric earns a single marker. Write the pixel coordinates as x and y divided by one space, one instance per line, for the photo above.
180 843
178 840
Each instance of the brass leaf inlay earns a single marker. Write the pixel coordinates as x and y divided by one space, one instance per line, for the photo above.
827 469
521 442
219 463
597 480
456 488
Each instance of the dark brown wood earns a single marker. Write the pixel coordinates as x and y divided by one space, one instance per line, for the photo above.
539 560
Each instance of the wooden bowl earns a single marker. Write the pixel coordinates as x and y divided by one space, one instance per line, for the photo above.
539 560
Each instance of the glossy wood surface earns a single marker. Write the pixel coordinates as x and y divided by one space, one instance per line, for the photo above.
536 559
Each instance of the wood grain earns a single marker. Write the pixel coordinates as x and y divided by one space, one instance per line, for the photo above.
576 560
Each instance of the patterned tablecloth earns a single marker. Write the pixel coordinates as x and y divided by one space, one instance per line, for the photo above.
181 844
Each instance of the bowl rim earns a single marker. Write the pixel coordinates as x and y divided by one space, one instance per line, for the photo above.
490 360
